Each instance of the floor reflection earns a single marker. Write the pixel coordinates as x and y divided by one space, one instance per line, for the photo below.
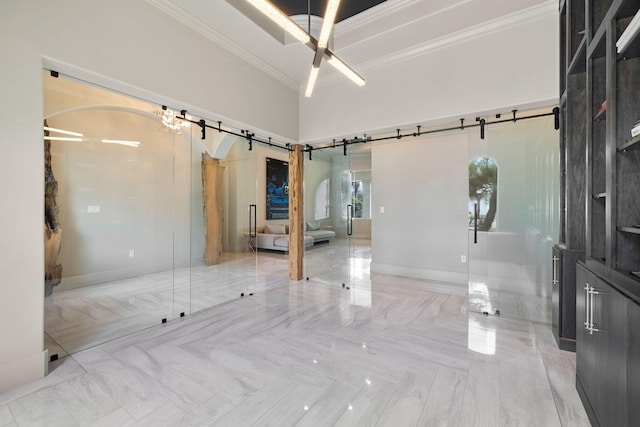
510 289
81 318
482 337
387 351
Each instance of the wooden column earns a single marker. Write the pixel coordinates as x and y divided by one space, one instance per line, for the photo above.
52 230
212 223
296 213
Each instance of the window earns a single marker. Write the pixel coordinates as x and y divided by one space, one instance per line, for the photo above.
483 193
322 205
361 194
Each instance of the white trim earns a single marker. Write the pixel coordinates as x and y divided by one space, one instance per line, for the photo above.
383 11
499 24
207 31
101 81
104 277
23 370
443 120
368 17
421 273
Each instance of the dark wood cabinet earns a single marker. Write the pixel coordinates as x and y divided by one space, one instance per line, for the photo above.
563 311
604 352
633 362
609 320
586 363
600 105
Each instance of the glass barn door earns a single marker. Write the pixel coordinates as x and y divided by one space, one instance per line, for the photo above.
329 213
223 218
513 220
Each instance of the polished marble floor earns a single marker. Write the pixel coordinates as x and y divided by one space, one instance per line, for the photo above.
77 319
387 351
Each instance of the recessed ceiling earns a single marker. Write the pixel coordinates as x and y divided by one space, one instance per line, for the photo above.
376 34
346 10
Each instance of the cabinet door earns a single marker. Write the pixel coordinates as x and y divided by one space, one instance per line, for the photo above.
633 362
568 325
586 367
611 342
556 301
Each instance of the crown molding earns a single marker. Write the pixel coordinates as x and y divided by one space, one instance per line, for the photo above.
549 7
205 30
382 11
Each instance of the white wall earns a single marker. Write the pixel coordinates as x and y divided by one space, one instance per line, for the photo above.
315 171
515 67
126 45
245 175
422 184
143 193
132 47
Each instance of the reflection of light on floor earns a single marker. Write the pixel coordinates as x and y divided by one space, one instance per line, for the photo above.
361 295
479 296
360 267
361 289
482 339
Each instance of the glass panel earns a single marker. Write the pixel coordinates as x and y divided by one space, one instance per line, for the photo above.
480 299
223 199
327 237
361 194
271 217
182 220
115 206
515 252
360 239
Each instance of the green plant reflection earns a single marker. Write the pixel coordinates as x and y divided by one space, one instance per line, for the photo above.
483 190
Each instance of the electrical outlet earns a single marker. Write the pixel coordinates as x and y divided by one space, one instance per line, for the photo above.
463 259
132 253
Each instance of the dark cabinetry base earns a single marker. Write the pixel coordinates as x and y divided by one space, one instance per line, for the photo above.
563 315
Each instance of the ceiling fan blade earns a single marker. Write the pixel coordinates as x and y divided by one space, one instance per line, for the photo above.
277 16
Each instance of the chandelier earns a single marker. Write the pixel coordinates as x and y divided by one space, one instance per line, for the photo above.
171 122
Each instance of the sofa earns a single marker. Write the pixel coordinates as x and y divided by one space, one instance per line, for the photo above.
319 234
275 237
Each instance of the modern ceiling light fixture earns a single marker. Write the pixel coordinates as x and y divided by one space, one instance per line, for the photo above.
327 23
320 46
170 120
62 138
312 81
62 131
346 70
277 16
121 142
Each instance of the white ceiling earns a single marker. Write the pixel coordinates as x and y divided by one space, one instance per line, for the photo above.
372 39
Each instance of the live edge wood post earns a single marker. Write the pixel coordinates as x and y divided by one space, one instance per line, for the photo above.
212 223
296 213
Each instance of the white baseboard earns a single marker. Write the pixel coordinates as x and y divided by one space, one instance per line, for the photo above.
421 273
23 370
90 279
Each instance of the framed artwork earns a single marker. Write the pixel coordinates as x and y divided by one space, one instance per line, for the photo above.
277 189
